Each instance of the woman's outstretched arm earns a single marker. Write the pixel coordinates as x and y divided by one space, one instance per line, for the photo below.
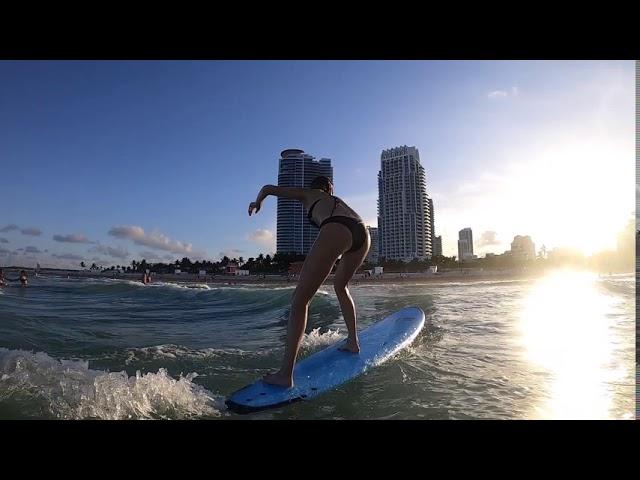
286 192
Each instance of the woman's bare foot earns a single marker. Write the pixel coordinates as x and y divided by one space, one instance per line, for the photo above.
278 379
350 346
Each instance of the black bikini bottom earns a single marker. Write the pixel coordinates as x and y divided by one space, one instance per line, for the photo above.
357 229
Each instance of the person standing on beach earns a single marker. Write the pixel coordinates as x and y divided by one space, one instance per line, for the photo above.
342 233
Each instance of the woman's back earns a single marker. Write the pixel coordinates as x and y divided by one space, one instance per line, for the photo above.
322 206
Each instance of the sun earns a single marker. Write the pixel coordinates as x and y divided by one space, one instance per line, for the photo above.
578 195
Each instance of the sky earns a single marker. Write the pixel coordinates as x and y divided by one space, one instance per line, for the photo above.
110 161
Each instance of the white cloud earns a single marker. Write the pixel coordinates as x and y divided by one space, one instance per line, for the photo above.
155 240
118 252
72 238
488 238
68 256
261 235
34 232
499 94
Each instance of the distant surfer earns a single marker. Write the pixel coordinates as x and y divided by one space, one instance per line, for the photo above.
2 280
23 278
342 232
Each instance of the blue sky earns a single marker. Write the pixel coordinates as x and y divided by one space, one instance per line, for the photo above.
160 159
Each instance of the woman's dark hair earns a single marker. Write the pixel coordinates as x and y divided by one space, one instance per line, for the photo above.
322 183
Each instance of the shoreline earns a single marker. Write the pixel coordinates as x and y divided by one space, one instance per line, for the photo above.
284 280
452 276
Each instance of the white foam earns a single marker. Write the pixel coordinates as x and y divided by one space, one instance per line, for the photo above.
201 286
170 351
182 286
316 340
71 390
256 287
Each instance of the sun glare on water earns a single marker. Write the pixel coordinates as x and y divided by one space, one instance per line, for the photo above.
565 332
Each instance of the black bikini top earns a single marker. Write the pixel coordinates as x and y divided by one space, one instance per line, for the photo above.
310 214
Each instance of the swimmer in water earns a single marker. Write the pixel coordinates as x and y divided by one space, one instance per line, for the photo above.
23 278
2 280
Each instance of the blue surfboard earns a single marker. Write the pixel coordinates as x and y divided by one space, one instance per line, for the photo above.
331 367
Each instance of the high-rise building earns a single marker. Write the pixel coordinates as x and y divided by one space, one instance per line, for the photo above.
465 244
437 246
403 208
372 256
295 234
432 225
523 248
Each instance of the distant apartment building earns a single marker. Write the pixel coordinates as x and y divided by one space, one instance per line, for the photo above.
431 221
465 245
294 233
437 245
523 248
372 256
404 220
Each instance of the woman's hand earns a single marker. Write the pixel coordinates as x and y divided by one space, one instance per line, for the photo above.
254 206
264 193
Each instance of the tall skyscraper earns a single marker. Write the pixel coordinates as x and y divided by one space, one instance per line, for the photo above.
432 225
372 256
465 244
437 246
403 209
294 233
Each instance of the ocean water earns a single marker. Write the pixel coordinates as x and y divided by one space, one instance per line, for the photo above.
557 347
